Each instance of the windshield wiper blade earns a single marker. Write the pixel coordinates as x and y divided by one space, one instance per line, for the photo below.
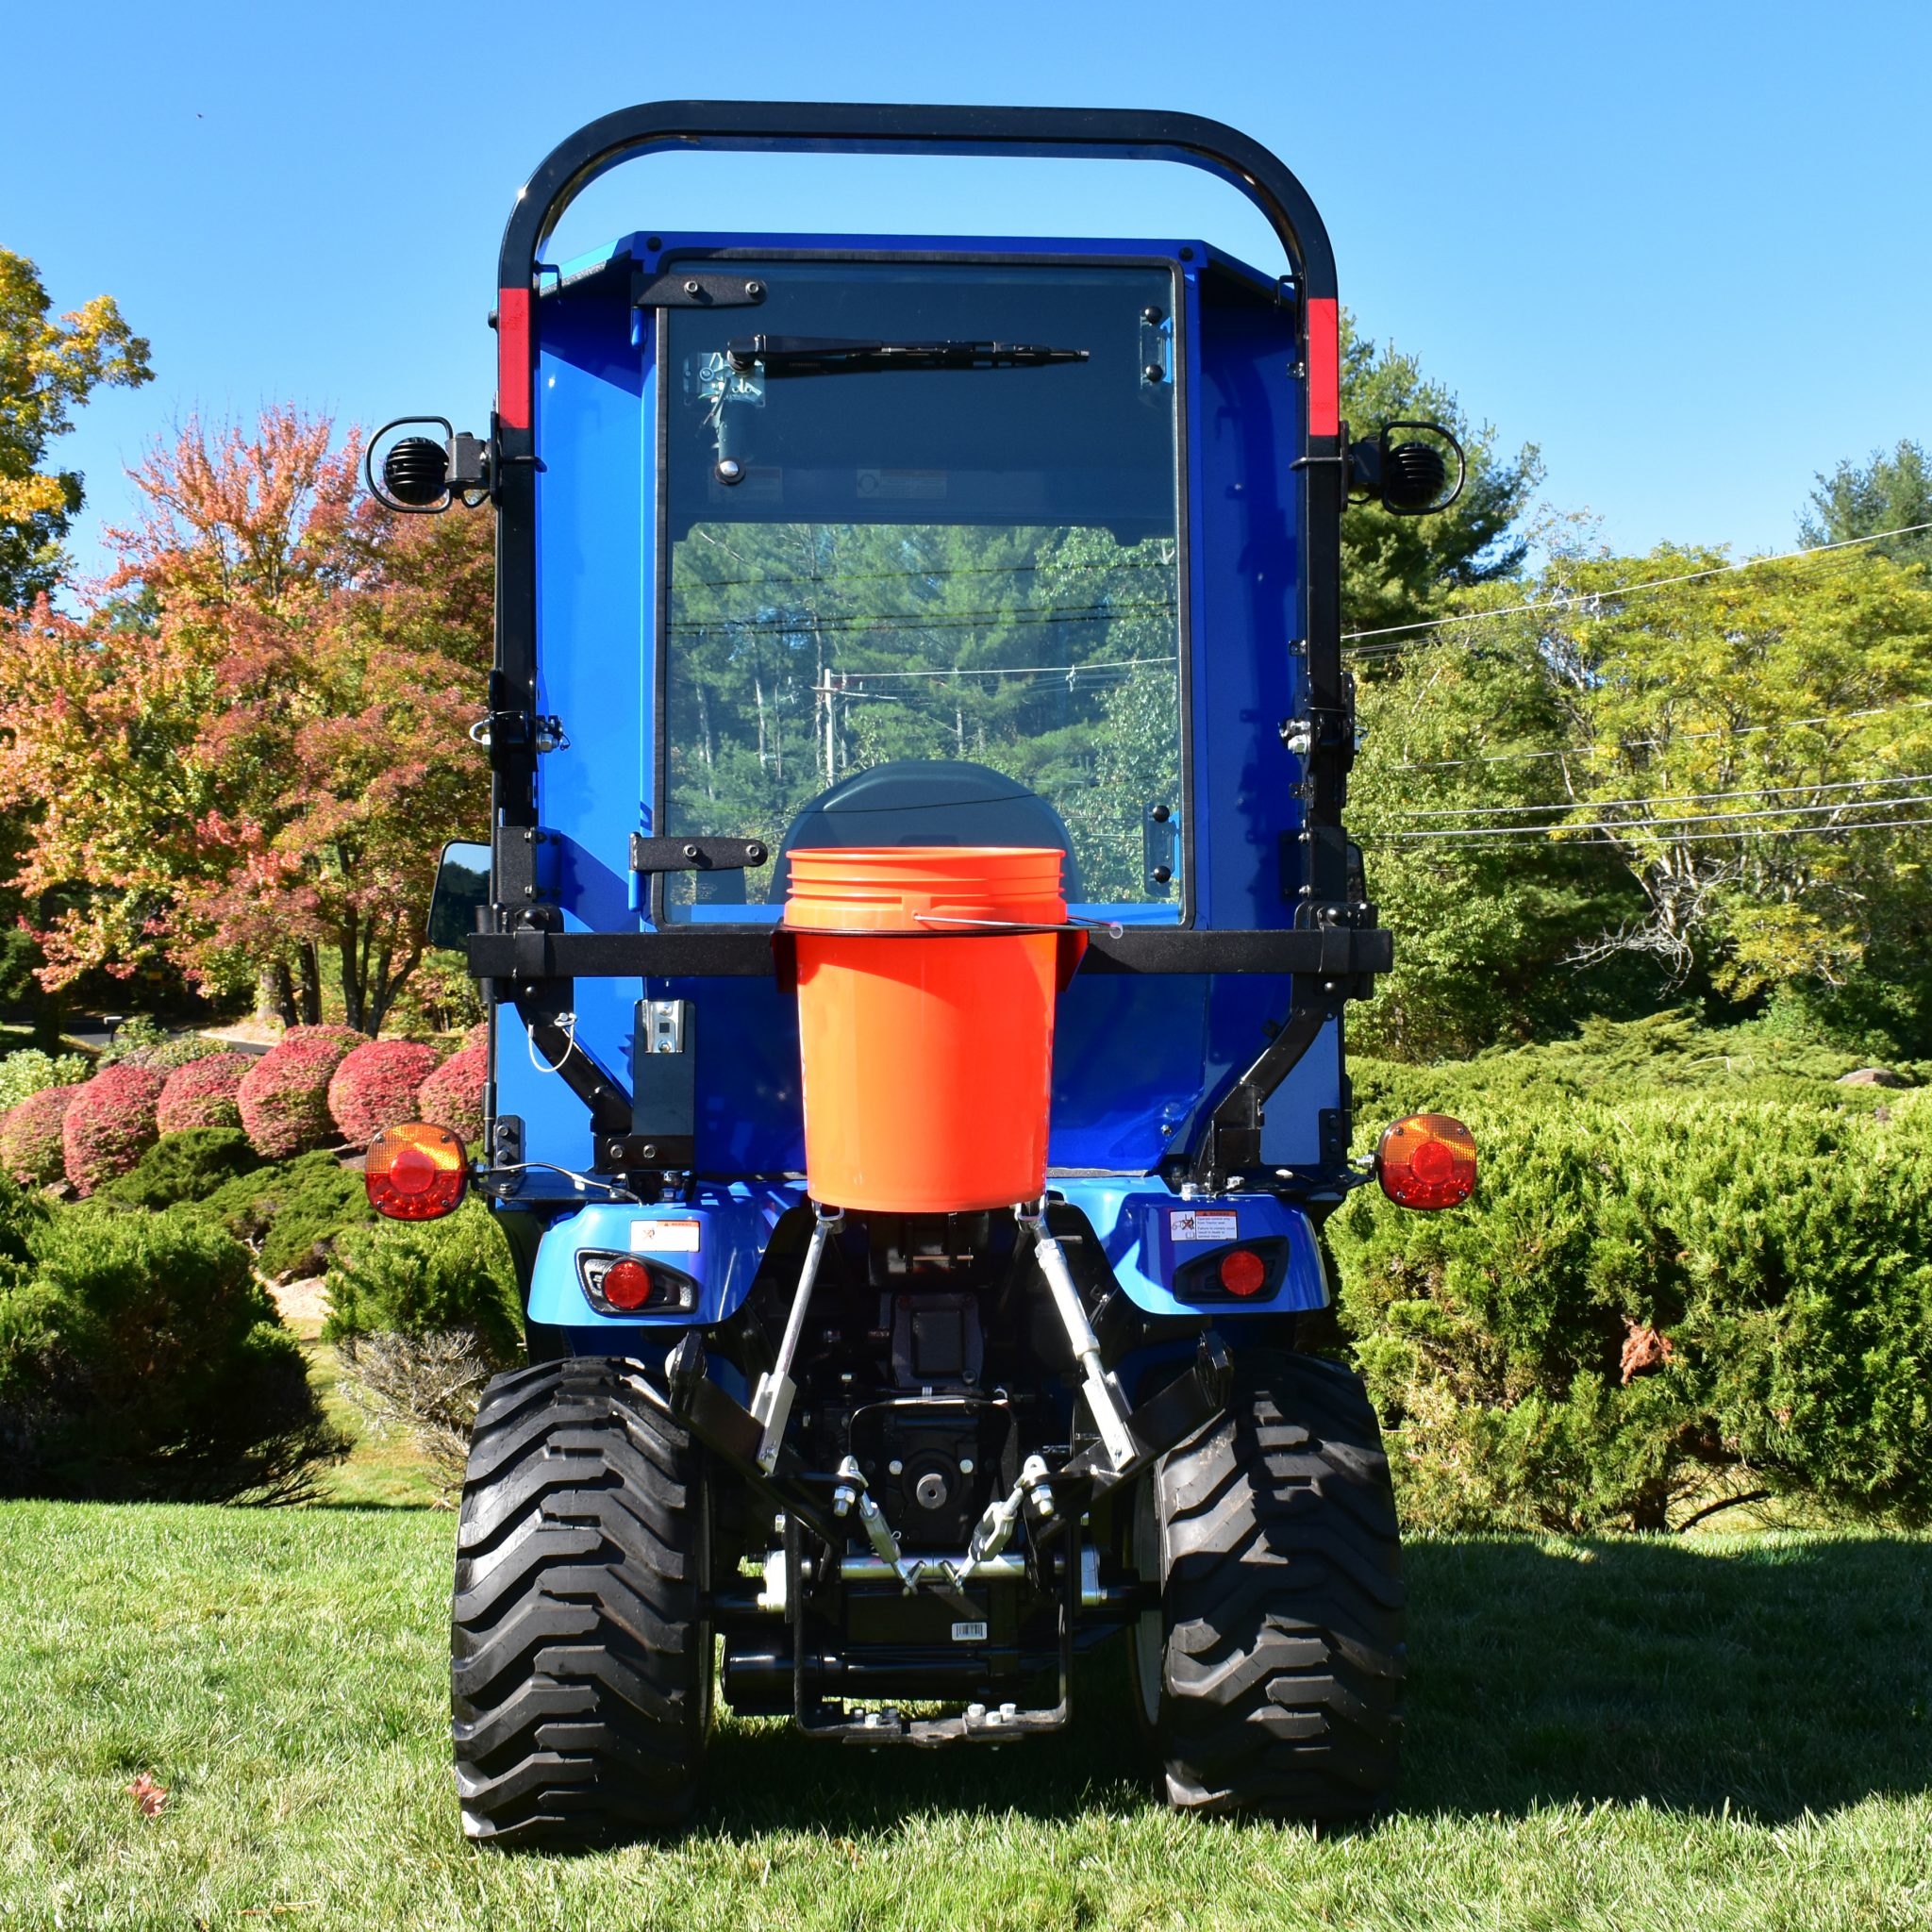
836 356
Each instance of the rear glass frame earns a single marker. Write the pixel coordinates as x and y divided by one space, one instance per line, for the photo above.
1177 913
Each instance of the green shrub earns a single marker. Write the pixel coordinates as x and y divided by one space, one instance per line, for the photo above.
139 1356
185 1167
1662 1284
31 1071
428 1277
292 1213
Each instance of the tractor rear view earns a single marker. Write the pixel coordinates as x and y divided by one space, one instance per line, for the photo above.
917 922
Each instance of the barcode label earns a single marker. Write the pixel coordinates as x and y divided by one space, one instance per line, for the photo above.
969 1633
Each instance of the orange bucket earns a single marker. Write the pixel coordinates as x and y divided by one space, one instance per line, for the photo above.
925 1029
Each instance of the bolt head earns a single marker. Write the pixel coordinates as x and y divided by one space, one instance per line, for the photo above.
692 287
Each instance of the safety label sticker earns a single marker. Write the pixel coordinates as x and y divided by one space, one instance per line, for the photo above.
1204 1224
664 1236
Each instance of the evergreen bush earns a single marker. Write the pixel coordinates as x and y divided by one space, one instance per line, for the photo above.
1665 1288
428 1277
186 1166
376 1087
109 1125
32 1147
139 1356
452 1096
201 1093
291 1214
423 1314
283 1098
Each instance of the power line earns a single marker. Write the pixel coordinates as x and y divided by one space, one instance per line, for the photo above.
852 624
1652 825
1009 670
1561 602
1512 757
1465 812
1790 832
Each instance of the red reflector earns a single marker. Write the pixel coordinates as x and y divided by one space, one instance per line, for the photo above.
514 358
1427 1160
1244 1272
1324 368
626 1285
415 1172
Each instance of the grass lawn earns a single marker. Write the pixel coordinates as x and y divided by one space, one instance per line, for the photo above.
1723 1733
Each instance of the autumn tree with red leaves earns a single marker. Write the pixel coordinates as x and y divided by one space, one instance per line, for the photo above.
245 759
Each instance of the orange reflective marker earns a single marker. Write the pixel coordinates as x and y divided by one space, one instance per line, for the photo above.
415 1172
1426 1160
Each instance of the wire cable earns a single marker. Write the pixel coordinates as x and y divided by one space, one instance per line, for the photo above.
1718 837
1512 757
1715 570
1465 812
1628 825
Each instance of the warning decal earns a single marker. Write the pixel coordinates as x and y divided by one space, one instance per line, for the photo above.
1204 1224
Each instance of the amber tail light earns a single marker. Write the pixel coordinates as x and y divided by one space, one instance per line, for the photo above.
1426 1160
415 1172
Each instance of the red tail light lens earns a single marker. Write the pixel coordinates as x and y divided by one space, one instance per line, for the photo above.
1244 1272
626 1285
415 1172
1426 1160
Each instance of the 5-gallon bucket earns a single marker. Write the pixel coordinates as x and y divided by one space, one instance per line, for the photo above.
925 1022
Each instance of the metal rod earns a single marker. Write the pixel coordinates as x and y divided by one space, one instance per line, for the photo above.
1112 1425
771 1405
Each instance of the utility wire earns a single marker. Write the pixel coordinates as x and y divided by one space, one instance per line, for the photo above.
1627 590
1652 825
1716 838
1467 811
1512 757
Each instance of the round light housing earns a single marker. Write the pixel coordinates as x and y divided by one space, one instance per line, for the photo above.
1244 1272
1426 1160
626 1285
416 1172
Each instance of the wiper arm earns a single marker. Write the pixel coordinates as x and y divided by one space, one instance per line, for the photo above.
835 356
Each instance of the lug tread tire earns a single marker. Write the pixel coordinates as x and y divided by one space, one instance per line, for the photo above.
579 1666
1282 1602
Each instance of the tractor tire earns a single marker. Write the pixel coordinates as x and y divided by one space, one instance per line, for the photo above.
580 1668
1271 1677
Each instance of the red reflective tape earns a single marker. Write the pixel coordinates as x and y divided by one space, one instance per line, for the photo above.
513 357
1324 368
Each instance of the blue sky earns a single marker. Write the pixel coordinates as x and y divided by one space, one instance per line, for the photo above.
1681 247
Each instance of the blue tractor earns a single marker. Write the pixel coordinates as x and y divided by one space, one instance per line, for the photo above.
822 544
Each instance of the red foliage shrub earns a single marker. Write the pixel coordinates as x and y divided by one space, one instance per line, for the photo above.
452 1096
477 1037
110 1125
376 1087
345 1039
284 1096
31 1147
202 1093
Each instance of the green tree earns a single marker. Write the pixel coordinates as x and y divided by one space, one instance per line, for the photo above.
48 367
1402 569
1888 492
